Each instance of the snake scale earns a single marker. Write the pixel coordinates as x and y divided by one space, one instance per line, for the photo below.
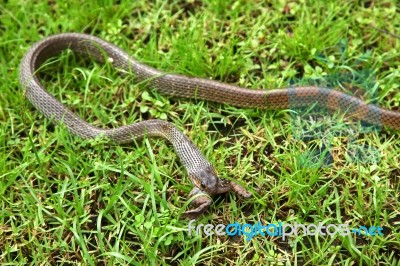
201 172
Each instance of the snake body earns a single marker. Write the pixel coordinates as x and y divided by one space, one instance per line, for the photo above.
200 171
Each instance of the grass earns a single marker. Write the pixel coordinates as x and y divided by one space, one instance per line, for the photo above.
65 200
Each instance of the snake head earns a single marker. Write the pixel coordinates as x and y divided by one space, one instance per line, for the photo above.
207 180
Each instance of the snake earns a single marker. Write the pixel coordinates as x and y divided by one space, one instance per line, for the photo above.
202 174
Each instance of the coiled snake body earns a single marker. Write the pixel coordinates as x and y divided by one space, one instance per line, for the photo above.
200 171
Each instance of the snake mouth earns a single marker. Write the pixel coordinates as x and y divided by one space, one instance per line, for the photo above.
208 181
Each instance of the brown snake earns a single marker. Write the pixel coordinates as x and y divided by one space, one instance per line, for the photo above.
200 171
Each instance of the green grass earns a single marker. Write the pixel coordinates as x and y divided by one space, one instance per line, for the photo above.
65 200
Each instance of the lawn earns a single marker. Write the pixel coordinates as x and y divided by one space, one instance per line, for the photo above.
91 202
